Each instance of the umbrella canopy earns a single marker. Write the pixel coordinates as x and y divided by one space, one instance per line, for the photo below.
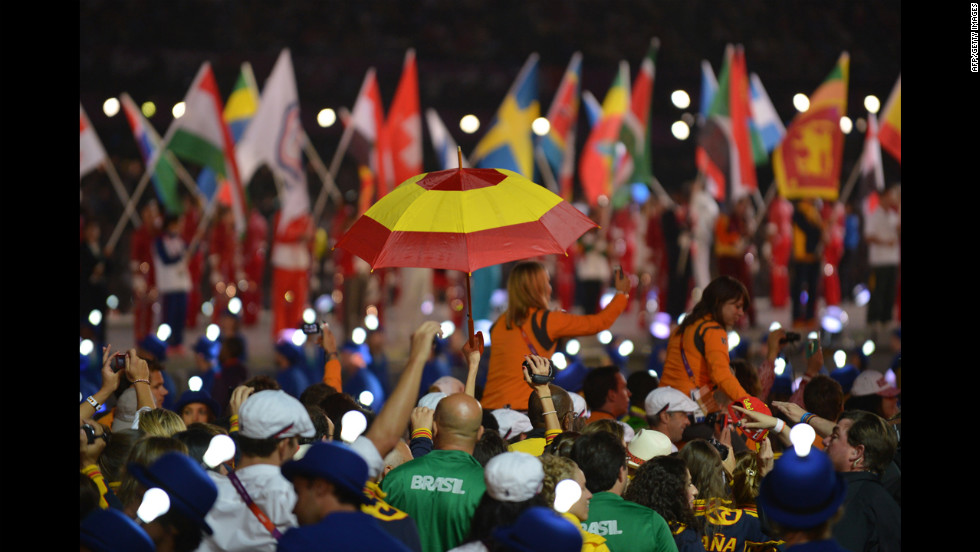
464 219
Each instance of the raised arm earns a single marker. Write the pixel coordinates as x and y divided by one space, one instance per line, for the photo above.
541 366
110 382
331 368
389 425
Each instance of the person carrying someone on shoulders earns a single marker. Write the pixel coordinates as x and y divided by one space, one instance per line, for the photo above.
697 360
530 327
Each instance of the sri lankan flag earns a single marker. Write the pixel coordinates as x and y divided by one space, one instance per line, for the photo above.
807 163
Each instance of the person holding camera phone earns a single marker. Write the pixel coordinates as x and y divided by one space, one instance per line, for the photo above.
529 326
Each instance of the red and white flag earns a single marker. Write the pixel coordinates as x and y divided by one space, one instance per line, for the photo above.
400 142
91 154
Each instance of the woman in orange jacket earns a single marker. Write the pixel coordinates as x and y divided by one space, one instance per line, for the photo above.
528 327
697 351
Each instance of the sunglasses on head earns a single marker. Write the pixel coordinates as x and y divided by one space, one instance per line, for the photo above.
92 436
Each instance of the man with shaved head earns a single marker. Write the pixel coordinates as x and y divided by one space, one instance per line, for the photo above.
442 489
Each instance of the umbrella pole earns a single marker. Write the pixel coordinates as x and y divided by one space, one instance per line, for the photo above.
469 305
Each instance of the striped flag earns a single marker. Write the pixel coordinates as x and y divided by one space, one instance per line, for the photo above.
637 167
365 122
202 136
558 146
443 142
599 153
891 123
91 154
766 126
241 107
709 86
147 140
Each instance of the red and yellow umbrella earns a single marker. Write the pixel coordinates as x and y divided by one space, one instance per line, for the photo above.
464 219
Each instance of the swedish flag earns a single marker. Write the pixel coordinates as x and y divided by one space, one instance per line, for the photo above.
509 143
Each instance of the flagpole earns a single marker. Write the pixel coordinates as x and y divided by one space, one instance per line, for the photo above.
325 177
770 194
851 180
120 189
130 208
549 177
338 156
151 168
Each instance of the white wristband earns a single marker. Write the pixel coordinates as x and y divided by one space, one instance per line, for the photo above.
779 426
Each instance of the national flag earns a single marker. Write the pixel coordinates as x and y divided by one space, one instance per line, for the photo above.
91 153
599 153
593 108
275 137
147 140
365 122
508 143
242 104
890 134
808 161
202 136
872 172
765 123
741 116
637 167
709 87
558 146
401 135
447 151
715 153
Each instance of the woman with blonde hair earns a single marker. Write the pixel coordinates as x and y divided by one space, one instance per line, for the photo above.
530 327
161 422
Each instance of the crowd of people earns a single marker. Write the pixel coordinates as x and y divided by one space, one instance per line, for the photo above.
705 457
470 448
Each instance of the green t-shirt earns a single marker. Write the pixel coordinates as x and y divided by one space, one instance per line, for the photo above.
441 491
628 526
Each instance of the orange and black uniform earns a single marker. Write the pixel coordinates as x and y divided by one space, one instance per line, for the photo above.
505 379
711 368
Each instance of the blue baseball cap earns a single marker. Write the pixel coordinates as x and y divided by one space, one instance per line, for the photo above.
191 491
540 529
801 492
335 462
110 529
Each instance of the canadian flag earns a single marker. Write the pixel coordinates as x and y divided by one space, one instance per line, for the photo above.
91 154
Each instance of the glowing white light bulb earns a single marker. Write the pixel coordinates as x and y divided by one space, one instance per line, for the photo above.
366 398
802 436
567 493
353 424
194 383
358 335
625 348
605 337
733 340
221 449
573 347
559 360
163 332
156 502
